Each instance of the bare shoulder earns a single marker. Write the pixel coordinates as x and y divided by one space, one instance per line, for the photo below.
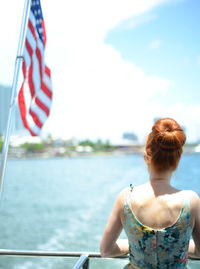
194 200
121 198
192 195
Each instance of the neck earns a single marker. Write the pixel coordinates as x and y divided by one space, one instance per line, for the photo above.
160 178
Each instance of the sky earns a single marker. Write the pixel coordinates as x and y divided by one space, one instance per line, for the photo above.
116 64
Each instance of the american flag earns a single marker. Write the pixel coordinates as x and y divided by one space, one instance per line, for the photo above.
35 95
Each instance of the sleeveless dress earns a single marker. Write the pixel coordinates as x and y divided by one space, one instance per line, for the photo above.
165 248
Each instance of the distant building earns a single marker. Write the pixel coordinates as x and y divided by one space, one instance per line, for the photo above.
128 139
130 136
5 95
128 144
184 128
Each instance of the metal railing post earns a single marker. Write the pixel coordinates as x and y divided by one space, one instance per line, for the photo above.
81 261
86 264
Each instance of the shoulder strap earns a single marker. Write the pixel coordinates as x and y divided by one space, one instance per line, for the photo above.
185 212
128 195
186 204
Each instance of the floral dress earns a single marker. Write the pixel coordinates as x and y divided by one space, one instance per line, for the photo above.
165 248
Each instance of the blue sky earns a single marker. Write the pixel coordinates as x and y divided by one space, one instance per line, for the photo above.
176 54
116 65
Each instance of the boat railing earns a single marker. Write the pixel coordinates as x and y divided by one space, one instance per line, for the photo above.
83 257
82 262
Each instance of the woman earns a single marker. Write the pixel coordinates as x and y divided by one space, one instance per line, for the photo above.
158 219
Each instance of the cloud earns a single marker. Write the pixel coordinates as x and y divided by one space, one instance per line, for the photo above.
192 121
104 95
155 44
96 92
135 21
186 116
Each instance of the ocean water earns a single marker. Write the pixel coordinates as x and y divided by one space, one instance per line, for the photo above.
63 204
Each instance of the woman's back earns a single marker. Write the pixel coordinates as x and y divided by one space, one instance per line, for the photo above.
159 206
156 243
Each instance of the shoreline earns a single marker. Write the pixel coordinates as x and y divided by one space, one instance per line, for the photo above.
73 154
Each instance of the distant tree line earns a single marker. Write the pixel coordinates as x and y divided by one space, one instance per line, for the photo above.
1 143
33 147
97 146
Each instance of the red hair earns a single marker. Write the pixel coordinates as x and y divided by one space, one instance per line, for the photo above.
164 145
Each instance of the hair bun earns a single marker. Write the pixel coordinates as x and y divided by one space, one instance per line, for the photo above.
164 145
168 134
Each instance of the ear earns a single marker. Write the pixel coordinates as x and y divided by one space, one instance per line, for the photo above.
146 157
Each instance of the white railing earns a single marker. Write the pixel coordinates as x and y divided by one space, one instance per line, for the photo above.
82 262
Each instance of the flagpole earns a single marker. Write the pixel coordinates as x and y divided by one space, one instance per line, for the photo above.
18 62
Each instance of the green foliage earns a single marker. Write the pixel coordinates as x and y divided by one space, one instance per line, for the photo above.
33 147
191 145
97 146
1 145
87 142
71 148
49 141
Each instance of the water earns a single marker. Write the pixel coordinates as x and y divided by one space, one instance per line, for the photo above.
63 204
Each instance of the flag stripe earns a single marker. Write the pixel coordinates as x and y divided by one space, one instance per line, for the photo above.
35 118
47 71
42 116
42 106
32 29
35 95
44 99
23 110
44 33
30 80
46 90
38 54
